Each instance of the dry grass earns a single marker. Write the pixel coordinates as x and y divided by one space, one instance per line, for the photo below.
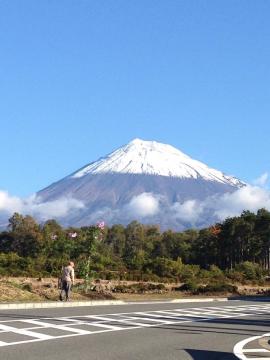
148 297
28 289
22 289
11 292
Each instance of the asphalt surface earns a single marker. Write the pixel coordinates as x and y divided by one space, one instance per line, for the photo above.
196 331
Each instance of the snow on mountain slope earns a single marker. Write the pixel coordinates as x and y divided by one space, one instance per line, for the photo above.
153 158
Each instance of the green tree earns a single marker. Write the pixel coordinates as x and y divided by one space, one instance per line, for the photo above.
116 238
134 251
26 233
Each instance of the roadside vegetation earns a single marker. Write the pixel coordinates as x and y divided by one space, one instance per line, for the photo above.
217 259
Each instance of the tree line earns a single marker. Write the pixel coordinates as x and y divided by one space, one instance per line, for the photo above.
136 250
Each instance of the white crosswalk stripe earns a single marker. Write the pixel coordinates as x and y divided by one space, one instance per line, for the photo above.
41 329
59 327
26 332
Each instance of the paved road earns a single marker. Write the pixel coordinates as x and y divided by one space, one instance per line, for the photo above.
196 331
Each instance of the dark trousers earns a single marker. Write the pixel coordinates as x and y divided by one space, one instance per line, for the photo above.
65 290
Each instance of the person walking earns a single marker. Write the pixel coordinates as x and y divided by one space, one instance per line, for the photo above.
67 280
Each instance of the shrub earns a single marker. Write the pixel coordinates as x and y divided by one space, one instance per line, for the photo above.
27 287
190 286
12 264
213 274
216 273
140 288
189 272
217 288
236 276
251 271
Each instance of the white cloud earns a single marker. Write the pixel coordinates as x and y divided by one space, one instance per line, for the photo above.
247 198
261 180
104 214
53 209
189 211
145 204
34 206
139 207
9 204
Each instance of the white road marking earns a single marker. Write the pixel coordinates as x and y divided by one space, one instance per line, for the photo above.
146 319
160 315
121 320
255 350
106 326
259 358
134 320
59 327
25 332
240 352
182 314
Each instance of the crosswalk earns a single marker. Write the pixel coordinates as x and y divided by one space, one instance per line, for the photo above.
22 330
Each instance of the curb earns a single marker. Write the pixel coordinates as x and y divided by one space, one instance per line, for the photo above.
59 304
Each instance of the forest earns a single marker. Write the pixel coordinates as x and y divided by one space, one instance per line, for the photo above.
238 247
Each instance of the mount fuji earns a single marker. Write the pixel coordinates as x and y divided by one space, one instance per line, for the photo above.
143 180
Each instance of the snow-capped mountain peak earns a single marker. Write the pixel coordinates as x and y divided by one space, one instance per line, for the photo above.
154 158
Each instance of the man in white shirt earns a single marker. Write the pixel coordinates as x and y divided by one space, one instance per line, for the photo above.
67 280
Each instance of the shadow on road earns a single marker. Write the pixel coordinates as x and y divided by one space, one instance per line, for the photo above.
199 328
210 355
250 298
261 320
247 326
8 316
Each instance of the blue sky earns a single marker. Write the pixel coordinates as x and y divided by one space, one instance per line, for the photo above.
81 78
